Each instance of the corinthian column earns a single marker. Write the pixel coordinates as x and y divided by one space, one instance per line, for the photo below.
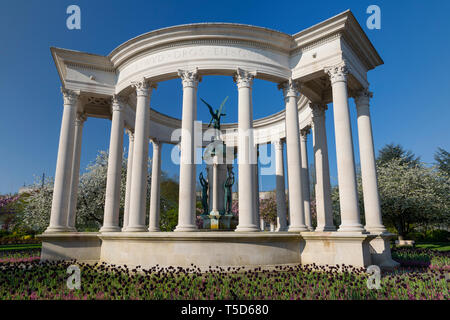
305 178
323 187
186 211
75 171
257 199
296 205
114 173
280 187
246 153
63 174
372 210
348 193
136 218
155 188
126 212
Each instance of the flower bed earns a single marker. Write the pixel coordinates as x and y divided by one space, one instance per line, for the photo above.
418 257
29 279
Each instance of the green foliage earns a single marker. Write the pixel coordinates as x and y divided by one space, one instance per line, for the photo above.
169 219
413 195
442 158
434 235
268 209
335 206
169 191
391 151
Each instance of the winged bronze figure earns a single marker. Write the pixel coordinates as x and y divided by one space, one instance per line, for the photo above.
215 115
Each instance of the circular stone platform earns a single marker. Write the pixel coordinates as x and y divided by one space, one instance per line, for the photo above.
178 249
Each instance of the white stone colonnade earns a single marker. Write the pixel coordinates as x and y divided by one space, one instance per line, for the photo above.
63 212
314 68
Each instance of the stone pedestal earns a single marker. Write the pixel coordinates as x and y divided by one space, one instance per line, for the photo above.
217 222
221 177
380 251
332 248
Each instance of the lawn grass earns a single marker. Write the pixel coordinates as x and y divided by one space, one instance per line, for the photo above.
7 247
439 246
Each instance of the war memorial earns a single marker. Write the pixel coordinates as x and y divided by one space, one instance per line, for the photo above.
325 64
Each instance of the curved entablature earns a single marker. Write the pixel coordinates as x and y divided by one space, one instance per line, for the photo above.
221 48
214 48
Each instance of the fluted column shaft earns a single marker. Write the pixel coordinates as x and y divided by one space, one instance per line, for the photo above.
257 199
155 188
75 180
246 153
187 198
139 175
372 210
63 174
348 193
324 207
126 212
216 186
114 173
296 205
280 186
305 178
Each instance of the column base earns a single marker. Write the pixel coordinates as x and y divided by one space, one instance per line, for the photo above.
247 228
376 229
109 229
298 229
154 229
325 229
186 228
135 229
53 229
281 229
351 228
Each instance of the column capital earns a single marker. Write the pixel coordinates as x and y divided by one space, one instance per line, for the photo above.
80 118
338 72
130 133
244 78
70 96
362 97
278 144
189 78
156 143
304 133
291 88
117 103
317 110
143 87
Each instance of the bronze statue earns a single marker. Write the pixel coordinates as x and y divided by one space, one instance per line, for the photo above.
216 115
204 184
228 192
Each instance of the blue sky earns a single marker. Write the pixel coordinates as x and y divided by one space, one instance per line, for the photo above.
411 91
